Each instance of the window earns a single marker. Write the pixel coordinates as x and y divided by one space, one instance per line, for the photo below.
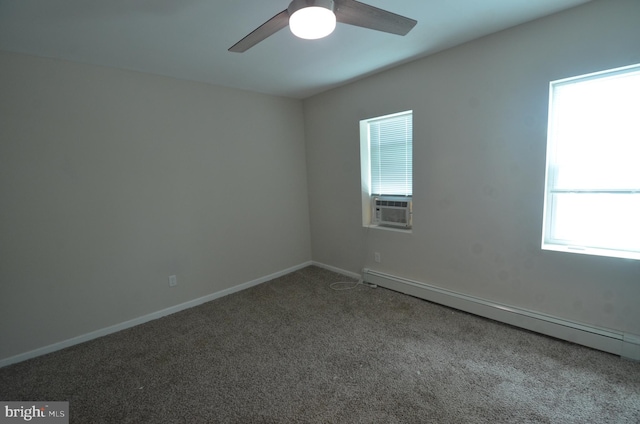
592 193
386 156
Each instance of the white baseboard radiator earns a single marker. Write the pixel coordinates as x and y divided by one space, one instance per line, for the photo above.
618 343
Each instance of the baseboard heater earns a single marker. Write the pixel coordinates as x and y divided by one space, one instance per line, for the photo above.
618 343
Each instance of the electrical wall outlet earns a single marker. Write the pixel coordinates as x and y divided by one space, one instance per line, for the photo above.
377 257
173 281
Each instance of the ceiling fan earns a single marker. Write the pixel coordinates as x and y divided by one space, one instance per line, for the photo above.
312 19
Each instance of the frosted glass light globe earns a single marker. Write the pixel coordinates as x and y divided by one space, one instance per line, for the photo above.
312 23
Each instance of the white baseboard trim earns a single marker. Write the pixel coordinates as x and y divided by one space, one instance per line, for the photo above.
338 270
618 343
145 318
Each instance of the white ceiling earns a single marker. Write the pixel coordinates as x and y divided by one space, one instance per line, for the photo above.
188 39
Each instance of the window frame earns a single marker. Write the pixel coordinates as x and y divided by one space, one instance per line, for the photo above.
367 197
552 189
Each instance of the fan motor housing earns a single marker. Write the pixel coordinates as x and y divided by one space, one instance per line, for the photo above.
296 5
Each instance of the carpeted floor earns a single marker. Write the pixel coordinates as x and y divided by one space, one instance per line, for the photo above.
293 350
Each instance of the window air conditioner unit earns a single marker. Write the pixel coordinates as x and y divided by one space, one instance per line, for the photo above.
392 211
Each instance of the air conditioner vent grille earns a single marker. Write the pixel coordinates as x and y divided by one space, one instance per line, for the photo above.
393 203
392 211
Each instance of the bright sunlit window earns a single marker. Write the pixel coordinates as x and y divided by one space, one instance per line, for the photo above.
390 154
592 195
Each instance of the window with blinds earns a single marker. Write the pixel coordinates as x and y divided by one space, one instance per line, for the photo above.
386 164
391 154
592 193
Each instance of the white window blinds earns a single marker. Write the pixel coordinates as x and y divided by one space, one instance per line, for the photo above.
391 148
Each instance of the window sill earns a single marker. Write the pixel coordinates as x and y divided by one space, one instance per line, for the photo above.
611 253
394 229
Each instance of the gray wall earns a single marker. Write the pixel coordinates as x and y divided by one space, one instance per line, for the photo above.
480 116
110 181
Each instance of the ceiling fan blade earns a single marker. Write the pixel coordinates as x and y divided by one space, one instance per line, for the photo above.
359 14
265 30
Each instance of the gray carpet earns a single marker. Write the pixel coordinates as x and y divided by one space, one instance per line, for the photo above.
293 350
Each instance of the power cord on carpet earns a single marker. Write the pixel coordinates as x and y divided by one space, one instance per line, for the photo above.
338 285
342 285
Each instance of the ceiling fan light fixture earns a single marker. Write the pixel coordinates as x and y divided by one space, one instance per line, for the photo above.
311 19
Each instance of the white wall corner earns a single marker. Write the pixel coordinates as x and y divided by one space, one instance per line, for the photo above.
630 347
338 270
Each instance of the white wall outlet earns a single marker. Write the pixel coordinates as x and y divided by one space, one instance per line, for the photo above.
173 281
377 257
